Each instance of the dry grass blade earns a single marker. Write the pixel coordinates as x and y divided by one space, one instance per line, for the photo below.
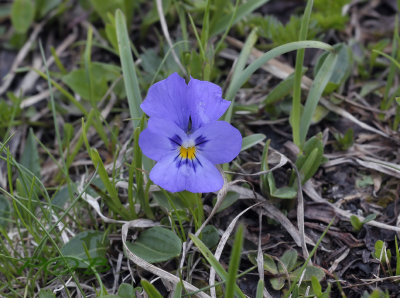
312 193
273 212
164 28
221 245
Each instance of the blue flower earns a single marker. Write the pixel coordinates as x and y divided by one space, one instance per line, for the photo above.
184 136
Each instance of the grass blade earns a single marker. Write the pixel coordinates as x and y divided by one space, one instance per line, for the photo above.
213 262
234 263
292 46
317 87
128 69
298 73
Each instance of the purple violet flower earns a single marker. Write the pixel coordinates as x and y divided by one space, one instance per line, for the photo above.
184 136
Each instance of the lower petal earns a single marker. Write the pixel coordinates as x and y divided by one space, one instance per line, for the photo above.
197 175
204 177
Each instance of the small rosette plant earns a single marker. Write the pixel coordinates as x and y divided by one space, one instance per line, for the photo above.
184 135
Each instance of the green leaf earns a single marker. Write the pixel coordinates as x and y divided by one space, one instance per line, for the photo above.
269 262
379 252
22 14
356 223
316 286
61 197
311 158
178 290
288 259
260 289
230 198
252 140
5 213
156 245
341 69
126 291
102 73
46 294
94 243
310 271
128 69
285 192
150 289
277 283
210 236
30 155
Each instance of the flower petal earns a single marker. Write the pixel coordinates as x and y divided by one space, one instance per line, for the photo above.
197 175
167 99
160 138
205 177
218 141
206 102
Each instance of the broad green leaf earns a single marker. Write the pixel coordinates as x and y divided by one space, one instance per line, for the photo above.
311 158
310 271
150 289
342 67
269 262
285 192
230 198
30 155
4 211
252 140
379 252
103 8
288 259
61 197
316 286
102 73
22 14
156 245
128 69
178 290
126 291
355 222
94 243
277 283
210 236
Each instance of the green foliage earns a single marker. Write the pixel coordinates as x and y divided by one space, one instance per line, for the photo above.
311 158
382 253
103 8
156 245
341 69
272 29
358 224
252 140
287 267
102 75
150 289
5 213
87 248
22 15
345 141
328 14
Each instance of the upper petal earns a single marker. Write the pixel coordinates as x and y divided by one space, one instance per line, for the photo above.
206 102
218 141
160 138
167 99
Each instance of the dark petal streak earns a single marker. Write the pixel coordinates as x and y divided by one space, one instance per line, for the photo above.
176 140
200 140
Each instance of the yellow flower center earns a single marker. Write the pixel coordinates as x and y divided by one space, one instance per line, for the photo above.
185 153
